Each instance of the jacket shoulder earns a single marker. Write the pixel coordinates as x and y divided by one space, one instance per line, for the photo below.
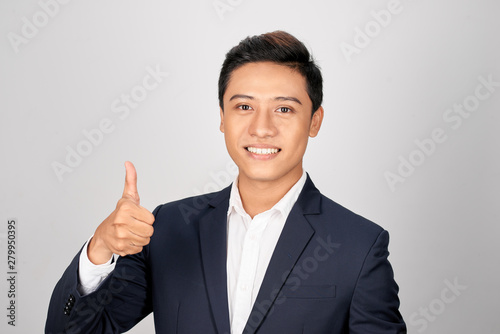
347 217
325 213
190 208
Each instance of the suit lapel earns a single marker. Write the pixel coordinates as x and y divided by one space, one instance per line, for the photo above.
294 238
213 240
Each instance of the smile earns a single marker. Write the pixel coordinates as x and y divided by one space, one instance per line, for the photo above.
263 151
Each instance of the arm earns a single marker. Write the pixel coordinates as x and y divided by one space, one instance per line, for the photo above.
375 302
123 298
91 275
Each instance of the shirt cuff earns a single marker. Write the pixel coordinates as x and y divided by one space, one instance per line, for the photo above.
91 275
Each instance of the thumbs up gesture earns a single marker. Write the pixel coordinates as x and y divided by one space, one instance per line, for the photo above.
127 229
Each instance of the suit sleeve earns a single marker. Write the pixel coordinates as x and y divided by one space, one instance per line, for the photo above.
375 302
121 301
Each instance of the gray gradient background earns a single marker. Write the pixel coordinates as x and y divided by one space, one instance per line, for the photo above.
443 220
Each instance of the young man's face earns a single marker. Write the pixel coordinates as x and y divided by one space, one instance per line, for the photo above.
267 122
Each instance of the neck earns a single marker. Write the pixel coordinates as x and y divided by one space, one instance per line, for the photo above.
258 196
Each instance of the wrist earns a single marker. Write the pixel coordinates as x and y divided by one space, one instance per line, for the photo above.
97 252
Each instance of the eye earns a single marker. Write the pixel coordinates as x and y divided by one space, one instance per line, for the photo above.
284 110
244 107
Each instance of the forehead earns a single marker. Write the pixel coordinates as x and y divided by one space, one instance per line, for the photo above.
266 79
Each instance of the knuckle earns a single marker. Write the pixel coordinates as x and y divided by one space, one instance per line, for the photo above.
126 205
120 203
119 218
122 246
120 234
119 248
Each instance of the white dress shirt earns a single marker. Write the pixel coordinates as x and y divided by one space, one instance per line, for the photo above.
91 275
250 245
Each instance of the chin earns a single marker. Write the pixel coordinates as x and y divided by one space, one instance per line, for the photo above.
262 176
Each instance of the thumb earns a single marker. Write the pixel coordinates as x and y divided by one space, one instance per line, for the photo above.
130 190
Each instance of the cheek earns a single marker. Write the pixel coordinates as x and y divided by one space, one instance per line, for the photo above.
234 131
298 135
232 138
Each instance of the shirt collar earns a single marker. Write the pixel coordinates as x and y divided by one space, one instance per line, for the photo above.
284 206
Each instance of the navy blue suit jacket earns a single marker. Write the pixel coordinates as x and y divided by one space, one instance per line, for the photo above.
329 273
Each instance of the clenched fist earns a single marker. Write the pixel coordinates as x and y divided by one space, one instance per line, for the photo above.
127 229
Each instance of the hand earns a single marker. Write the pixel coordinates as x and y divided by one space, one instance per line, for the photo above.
127 229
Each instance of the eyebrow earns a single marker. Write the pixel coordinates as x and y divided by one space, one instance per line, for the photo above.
278 98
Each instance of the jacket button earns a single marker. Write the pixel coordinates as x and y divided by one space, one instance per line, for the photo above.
69 305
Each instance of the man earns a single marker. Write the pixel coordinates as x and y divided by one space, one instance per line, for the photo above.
268 254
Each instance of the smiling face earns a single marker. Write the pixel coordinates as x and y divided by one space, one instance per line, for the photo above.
267 122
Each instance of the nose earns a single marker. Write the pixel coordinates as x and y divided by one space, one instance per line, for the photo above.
263 125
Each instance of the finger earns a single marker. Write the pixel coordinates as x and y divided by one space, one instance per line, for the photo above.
127 208
139 241
130 249
128 243
133 242
130 190
144 216
141 230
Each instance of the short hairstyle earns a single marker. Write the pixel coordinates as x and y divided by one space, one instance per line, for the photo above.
279 47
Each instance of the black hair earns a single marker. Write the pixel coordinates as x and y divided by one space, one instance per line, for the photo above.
279 47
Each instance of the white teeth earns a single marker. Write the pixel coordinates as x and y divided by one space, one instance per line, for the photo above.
262 150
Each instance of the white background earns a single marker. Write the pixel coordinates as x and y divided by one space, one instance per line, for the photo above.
64 77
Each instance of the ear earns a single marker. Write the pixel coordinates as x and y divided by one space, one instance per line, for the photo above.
316 121
221 120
